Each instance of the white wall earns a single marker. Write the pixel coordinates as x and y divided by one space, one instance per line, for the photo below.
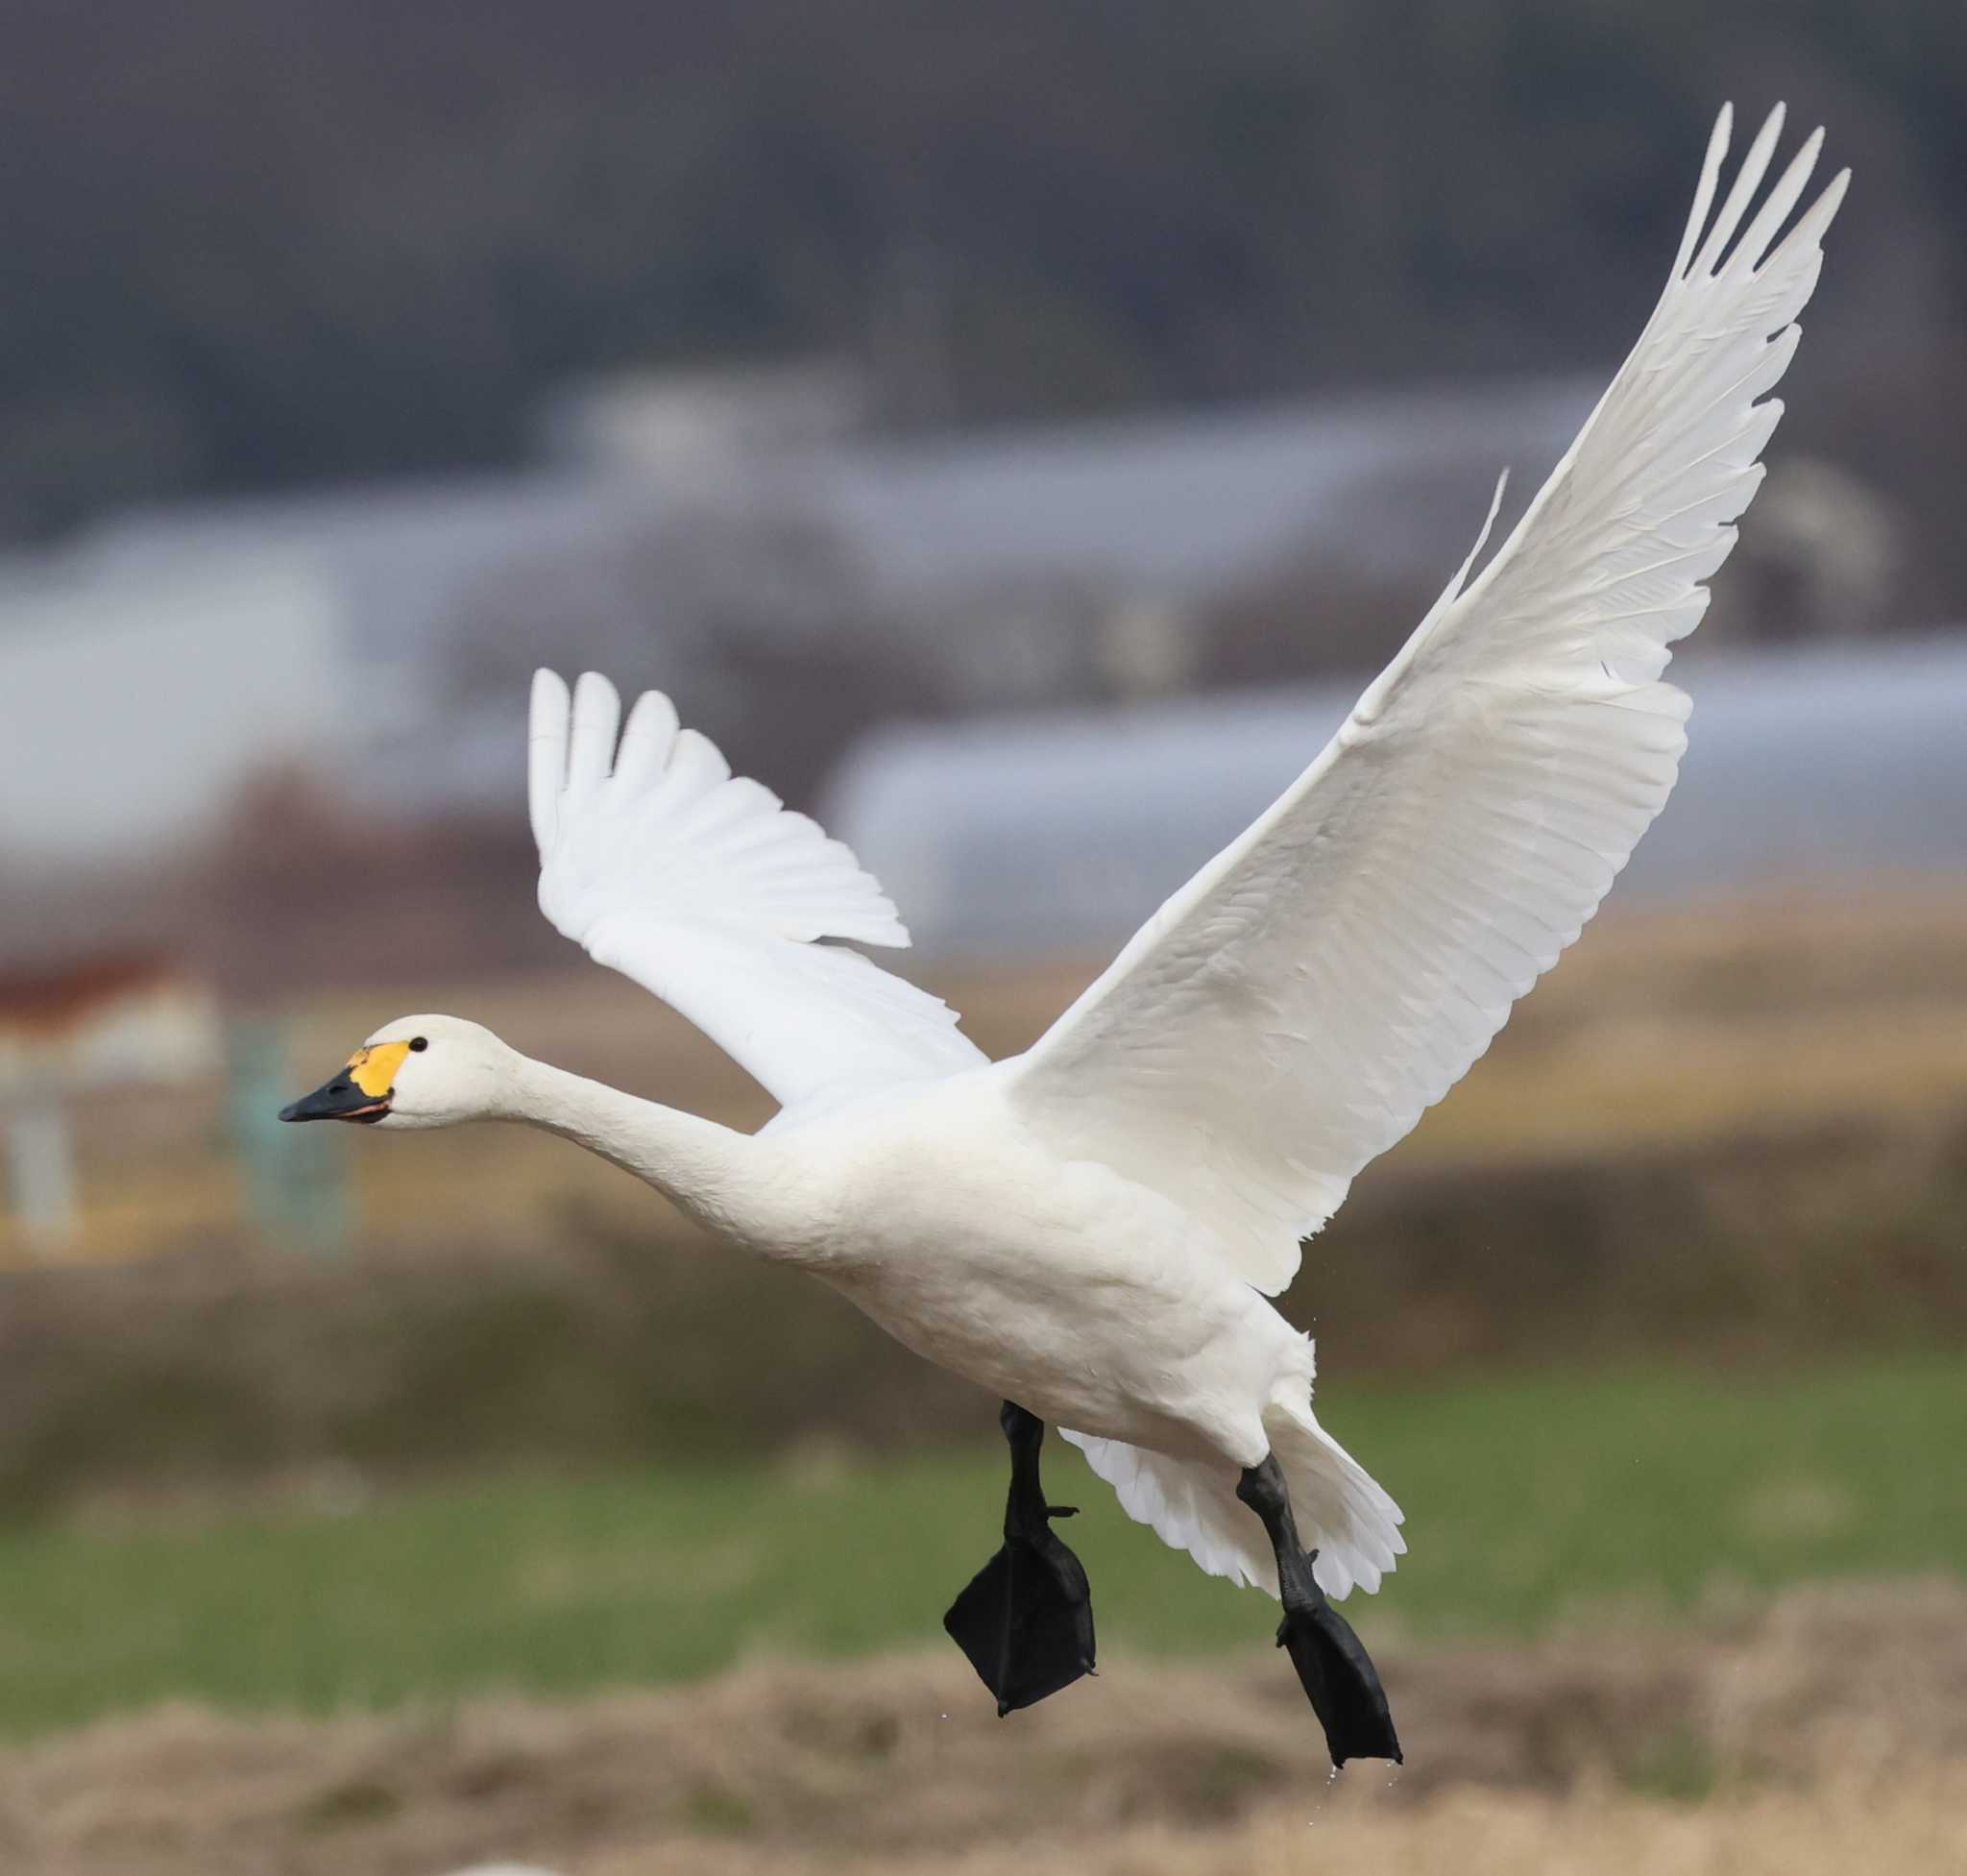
132 706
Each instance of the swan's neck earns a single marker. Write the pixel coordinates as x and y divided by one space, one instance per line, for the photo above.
704 1167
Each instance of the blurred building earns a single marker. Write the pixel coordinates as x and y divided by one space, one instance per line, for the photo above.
247 697
133 700
164 658
1061 832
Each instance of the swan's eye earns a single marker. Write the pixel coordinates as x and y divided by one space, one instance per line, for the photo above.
418 1044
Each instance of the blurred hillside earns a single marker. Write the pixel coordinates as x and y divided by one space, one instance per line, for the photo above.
271 242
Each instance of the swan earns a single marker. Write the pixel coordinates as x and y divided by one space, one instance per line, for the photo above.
1093 1229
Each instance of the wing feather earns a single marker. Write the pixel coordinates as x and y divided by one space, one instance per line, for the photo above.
1291 1012
705 890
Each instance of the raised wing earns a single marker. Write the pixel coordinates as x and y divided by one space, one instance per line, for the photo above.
1293 1009
701 887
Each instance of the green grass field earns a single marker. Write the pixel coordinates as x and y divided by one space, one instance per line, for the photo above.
1529 1501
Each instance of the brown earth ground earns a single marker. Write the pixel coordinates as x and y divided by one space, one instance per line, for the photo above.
1827 1732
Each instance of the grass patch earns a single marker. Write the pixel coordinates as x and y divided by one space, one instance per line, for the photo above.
1528 1501
1676 1765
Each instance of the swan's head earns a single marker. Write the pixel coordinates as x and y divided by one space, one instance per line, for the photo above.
418 1071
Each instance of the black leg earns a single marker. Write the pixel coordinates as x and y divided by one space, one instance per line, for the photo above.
1337 1674
1026 1618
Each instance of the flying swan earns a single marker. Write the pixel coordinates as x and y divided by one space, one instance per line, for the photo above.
1091 1229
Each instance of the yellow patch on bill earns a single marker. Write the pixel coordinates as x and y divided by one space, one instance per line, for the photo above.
373 1071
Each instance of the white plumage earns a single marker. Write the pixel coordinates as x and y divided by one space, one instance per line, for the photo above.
703 888
1089 1229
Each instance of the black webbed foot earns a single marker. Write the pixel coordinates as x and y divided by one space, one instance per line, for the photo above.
1026 1621
1339 1677
1337 1674
1026 1618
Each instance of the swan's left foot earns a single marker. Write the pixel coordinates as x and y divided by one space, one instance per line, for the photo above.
1026 1618
1333 1667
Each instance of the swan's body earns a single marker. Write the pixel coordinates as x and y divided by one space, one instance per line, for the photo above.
976 1244
1090 1230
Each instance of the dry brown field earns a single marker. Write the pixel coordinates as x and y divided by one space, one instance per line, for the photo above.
1826 1733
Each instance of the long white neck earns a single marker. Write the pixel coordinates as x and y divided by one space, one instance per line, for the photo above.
705 1168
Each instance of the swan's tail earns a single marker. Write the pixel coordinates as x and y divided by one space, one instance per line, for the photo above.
1192 1504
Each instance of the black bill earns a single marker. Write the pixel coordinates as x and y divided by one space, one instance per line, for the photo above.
340 1099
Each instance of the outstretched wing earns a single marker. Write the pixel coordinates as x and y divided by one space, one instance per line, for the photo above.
1292 1010
701 887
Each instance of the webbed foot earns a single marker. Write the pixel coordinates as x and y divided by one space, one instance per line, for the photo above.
1337 1674
1025 1620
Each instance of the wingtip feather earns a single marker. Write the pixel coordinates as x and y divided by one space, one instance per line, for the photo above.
596 725
1704 190
546 732
647 740
1817 217
1782 199
1748 179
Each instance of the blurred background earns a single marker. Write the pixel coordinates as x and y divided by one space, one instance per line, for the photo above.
1014 433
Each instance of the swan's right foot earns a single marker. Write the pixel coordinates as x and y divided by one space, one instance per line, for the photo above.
1026 1618
1337 1674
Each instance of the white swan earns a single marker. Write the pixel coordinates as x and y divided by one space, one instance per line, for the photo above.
1092 1229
